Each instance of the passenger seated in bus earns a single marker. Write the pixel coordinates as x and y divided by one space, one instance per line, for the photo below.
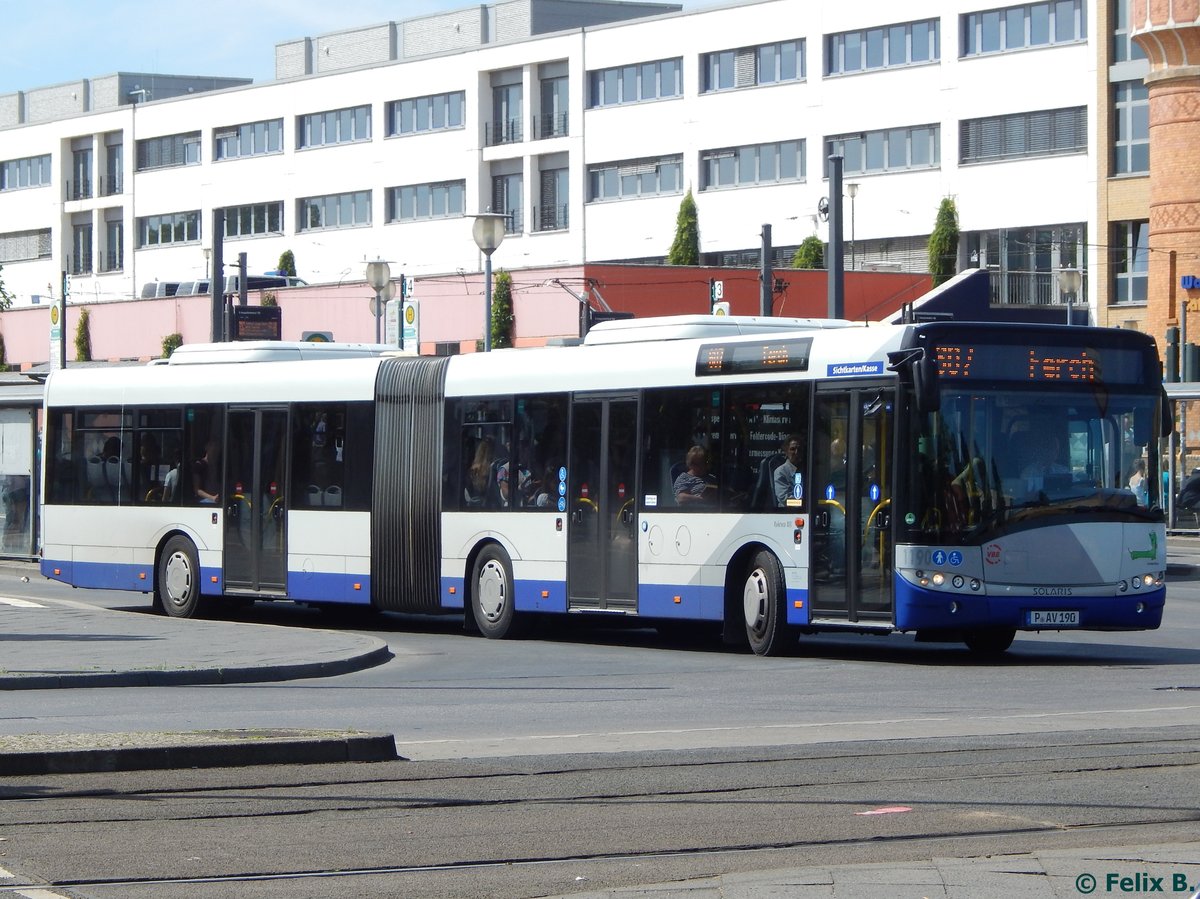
784 478
206 476
694 484
479 473
526 487
1138 485
1040 457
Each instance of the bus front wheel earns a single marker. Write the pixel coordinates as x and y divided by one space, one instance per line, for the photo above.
763 596
492 596
990 641
177 584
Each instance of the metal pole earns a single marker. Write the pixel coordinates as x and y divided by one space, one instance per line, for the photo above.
217 280
487 303
836 262
764 302
378 310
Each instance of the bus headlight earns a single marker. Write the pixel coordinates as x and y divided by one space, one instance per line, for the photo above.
938 579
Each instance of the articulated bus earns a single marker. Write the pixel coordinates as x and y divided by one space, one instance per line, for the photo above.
767 477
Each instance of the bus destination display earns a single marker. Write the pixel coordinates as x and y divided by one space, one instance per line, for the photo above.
1044 364
753 358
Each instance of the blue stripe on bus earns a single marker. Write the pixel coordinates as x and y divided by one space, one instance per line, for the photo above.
529 596
101 575
695 603
921 608
797 615
329 586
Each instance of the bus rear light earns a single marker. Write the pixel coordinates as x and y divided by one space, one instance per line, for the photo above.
453 590
545 594
678 600
212 578
58 571
141 575
798 604
358 586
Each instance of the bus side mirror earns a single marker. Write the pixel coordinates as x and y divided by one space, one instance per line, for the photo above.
1166 423
920 366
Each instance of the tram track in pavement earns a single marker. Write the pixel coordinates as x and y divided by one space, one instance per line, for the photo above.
695 811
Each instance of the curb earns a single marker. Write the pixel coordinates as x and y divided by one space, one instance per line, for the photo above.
93 753
199 677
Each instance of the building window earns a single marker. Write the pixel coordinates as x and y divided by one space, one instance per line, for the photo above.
551 215
349 210
23 246
632 84
336 126
1130 245
160 230
1023 264
170 151
635 178
251 139
752 66
255 219
413 202
508 199
114 169
554 119
437 112
81 250
1018 27
882 48
1131 128
32 171
1124 47
113 259
754 164
505 127
890 150
1049 132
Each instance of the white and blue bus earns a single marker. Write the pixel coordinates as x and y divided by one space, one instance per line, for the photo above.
772 477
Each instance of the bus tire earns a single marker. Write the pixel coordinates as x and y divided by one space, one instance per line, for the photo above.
990 641
177 581
492 593
763 597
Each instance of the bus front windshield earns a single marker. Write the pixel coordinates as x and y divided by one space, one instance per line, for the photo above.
998 459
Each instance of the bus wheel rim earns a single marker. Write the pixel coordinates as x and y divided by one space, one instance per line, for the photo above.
754 600
493 590
178 580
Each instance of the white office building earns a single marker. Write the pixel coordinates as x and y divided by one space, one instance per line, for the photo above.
585 122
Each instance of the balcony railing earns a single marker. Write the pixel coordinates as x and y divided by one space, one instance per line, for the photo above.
80 265
550 124
1016 288
506 131
550 218
112 261
79 190
110 185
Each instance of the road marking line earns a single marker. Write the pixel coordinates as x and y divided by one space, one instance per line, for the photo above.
8 874
39 894
20 603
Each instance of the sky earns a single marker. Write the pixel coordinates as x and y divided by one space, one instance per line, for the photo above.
51 41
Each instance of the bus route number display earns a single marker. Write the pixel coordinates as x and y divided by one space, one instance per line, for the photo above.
1019 363
754 358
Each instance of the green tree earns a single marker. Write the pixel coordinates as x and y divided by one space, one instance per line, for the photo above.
943 243
686 248
810 253
83 338
287 263
502 311
3 355
171 343
269 298
6 298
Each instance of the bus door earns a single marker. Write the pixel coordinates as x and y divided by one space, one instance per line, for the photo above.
256 452
851 563
602 533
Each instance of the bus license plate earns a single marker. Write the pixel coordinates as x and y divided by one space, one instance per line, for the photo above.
1055 619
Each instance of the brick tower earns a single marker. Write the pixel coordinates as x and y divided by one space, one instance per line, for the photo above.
1169 32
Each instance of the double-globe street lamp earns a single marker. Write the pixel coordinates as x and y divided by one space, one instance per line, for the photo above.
379 279
488 232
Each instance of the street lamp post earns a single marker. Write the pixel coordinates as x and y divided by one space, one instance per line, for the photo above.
852 192
1070 280
488 232
379 278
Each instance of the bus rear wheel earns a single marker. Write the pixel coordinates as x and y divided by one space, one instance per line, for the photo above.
177 582
492 593
990 641
763 596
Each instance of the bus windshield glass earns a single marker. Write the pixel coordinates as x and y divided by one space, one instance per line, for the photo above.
1007 456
